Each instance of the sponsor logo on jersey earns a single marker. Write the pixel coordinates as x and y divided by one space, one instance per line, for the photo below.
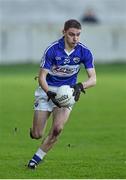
65 70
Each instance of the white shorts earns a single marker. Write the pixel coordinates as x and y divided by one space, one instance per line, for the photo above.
41 99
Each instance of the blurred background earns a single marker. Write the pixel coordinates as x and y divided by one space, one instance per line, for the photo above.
27 27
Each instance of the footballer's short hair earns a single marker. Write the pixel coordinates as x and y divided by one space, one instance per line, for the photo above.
72 23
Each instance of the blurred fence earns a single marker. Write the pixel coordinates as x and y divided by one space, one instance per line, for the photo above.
22 44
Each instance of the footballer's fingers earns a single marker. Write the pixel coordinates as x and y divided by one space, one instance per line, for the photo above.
77 96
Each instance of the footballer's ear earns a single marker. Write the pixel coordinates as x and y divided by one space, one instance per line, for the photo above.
63 31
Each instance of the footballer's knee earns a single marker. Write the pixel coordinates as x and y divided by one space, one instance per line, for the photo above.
35 134
56 131
55 134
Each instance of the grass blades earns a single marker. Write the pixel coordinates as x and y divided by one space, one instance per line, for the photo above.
92 144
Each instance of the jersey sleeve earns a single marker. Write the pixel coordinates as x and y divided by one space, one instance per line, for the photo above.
47 59
88 59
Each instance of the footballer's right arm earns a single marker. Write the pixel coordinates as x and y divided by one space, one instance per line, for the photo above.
43 83
42 79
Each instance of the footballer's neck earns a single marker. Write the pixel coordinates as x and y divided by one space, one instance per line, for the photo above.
68 48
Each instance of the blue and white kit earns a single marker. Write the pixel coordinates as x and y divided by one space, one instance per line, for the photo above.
63 66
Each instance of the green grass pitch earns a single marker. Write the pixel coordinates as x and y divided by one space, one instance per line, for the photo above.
93 143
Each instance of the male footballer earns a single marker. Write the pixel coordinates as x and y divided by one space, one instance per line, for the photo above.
59 66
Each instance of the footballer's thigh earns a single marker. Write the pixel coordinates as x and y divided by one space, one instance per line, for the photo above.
60 117
39 123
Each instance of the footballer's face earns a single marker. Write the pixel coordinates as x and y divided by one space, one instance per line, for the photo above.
72 37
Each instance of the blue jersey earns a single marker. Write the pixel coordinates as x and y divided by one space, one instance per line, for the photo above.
63 67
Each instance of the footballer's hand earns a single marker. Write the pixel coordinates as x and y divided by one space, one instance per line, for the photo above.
78 88
51 95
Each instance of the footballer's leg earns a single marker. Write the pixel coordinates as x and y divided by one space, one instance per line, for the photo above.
60 117
39 123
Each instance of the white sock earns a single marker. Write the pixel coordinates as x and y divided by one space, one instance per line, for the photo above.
40 153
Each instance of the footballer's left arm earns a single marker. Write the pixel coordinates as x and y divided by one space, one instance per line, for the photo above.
91 81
